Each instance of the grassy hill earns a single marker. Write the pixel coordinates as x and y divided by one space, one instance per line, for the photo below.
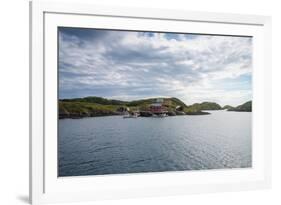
98 100
205 106
76 109
246 107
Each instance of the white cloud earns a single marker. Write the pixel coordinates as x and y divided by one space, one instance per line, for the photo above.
132 65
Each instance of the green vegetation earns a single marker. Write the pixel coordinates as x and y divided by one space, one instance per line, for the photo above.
76 109
98 100
246 107
205 106
97 106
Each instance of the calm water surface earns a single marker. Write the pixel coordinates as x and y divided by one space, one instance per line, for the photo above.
113 145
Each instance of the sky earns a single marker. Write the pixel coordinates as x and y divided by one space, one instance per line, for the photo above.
130 65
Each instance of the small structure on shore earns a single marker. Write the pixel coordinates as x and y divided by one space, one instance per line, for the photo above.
123 109
131 115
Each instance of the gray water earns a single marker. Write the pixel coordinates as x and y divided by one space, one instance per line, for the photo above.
113 145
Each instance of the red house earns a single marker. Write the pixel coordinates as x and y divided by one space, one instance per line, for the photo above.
157 108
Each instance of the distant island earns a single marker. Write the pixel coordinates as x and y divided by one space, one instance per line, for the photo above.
97 106
246 107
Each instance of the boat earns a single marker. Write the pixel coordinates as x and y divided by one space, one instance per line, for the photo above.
134 115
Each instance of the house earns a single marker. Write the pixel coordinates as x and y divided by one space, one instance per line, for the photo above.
157 107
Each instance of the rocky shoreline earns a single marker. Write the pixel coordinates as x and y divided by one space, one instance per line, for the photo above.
100 114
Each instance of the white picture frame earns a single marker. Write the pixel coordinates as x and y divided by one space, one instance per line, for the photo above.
46 187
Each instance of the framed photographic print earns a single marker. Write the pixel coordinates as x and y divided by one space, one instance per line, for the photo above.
129 102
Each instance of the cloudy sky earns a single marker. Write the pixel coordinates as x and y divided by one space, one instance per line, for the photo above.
128 65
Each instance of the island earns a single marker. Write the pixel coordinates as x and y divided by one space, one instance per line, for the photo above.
94 106
246 107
